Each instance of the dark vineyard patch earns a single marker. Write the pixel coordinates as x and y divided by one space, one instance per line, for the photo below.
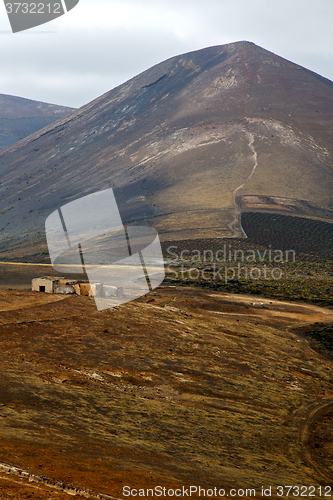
286 232
306 274
323 338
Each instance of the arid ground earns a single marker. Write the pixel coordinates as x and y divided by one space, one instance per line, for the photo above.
184 386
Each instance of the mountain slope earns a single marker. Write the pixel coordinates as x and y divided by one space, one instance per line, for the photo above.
187 145
22 117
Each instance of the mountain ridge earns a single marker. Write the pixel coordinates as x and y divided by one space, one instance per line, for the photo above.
20 117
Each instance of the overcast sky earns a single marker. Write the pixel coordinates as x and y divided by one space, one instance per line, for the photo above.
102 43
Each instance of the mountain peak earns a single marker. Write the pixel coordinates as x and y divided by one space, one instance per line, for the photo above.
187 146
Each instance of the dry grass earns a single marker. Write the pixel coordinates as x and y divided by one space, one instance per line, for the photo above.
183 386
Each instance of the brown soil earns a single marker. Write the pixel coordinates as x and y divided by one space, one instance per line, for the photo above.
183 386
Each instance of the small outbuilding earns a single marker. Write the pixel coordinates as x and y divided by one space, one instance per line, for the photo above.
46 284
55 284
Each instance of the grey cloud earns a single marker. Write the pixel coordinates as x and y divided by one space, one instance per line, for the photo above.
89 54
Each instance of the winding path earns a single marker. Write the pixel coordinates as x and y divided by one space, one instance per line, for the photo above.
310 415
235 225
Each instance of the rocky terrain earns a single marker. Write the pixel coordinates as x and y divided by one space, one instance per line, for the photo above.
181 387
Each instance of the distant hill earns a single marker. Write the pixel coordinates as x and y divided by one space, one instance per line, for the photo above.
21 117
188 146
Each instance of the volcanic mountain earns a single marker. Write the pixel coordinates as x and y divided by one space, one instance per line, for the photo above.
187 146
21 117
